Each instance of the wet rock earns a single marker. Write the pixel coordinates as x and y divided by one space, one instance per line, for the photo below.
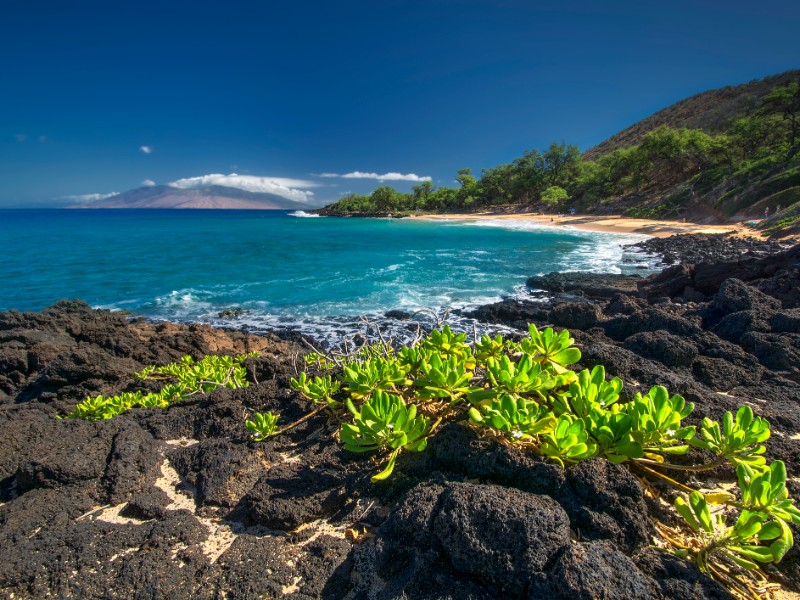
399 315
258 566
514 313
673 281
776 352
499 534
733 326
76 452
458 450
96 559
133 464
622 304
149 504
231 313
785 321
291 494
632 367
719 374
695 248
596 285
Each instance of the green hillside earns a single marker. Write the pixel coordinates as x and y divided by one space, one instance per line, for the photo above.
720 156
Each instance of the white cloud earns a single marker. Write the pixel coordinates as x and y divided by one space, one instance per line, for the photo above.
42 139
146 149
378 176
21 137
280 186
83 198
148 183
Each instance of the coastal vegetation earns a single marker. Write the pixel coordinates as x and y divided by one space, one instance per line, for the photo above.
182 379
523 394
743 163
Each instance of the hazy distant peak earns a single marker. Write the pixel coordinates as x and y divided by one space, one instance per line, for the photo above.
208 197
280 186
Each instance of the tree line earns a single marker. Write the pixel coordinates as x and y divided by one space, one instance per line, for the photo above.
559 176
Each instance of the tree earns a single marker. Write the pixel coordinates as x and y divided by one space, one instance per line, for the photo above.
785 100
497 183
528 175
385 199
559 164
554 194
469 186
421 193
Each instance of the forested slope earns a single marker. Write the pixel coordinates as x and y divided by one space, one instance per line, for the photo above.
723 155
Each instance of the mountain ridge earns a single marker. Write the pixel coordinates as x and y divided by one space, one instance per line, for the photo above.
212 197
711 111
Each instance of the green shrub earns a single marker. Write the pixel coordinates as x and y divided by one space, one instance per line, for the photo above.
185 378
524 394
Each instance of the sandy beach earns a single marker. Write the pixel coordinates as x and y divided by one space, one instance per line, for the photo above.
608 223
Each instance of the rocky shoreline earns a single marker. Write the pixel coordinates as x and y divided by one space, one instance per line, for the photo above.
179 503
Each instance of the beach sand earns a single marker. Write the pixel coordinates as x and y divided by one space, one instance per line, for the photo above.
608 223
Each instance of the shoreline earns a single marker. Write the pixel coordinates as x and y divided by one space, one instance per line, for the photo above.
604 224
117 487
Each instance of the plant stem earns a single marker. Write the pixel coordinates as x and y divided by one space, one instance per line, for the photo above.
301 420
669 480
691 468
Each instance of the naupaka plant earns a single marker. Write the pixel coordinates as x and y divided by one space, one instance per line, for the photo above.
183 379
385 422
524 394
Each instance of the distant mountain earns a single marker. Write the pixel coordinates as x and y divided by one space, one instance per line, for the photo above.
210 197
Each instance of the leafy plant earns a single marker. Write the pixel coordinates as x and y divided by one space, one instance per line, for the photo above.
589 391
263 425
765 491
187 379
568 441
318 360
740 543
449 343
411 358
207 374
319 390
612 432
488 347
656 423
519 418
739 440
362 379
523 377
546 347
443 378
385 422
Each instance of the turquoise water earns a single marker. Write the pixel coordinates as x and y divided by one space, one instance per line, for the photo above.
282 270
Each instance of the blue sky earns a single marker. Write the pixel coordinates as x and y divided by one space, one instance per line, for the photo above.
99 97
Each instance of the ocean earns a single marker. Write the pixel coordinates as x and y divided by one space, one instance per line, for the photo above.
274 269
